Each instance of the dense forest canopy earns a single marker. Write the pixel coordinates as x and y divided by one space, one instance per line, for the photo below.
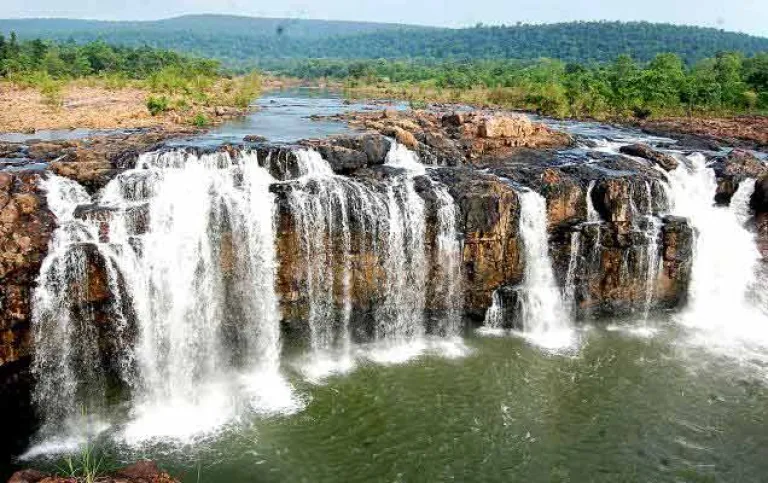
71 60
245 42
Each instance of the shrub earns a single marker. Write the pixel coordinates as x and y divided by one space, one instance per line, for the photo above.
200 120
157 105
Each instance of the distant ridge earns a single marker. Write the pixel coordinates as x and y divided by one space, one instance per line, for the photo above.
241 41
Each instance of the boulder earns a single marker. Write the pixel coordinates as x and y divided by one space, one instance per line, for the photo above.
732 169
505 127
254 138
402 136
664 161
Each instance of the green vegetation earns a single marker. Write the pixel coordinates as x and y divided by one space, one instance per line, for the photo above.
88 466
242 42
35 58
176 82
157 104
728 83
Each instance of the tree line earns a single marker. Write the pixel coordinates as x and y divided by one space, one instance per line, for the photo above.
247 42
729 82
70 60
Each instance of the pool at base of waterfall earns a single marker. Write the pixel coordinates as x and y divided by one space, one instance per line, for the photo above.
625 407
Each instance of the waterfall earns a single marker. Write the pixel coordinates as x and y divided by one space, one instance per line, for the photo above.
726 260
188 244
389 221
319 205
569 289
448 261
544 318
67 364
186 247
652 257
494 316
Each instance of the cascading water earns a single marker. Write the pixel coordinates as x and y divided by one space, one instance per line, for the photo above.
448 261
67 364
188 241
725 264
592 215
320 211
389 221
569 289
186 244
544 319
652 259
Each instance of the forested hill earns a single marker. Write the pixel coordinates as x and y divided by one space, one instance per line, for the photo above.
248 41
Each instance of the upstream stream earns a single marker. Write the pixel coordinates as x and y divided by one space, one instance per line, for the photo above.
678 397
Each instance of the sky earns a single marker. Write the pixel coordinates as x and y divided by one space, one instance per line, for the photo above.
749 16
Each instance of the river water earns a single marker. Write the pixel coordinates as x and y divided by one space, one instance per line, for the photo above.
631 400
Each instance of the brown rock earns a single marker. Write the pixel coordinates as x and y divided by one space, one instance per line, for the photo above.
665 161
453 119
27 476
505 127
403 137
27 203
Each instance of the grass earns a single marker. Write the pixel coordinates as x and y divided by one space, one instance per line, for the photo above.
50 88
88 466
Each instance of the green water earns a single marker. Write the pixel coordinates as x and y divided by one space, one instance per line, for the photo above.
620 409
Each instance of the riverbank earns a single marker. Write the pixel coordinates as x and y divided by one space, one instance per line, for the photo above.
702 130
97 103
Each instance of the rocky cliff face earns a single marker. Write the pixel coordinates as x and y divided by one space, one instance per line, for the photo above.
26 225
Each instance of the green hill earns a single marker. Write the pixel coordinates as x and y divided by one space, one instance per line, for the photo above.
240 41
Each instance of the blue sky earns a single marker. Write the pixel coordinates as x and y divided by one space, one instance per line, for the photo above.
740 15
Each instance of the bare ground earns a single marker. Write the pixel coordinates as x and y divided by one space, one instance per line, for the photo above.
26 110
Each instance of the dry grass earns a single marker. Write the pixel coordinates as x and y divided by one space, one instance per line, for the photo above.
113 102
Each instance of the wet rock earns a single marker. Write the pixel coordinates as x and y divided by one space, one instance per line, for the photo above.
254 138
665 161
402 136
343 160
734 168
759 205
140 472
27 476
93 163
348 153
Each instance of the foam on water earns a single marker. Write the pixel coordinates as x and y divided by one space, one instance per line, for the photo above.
721 314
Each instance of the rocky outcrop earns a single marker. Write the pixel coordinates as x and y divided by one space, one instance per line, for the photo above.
759 205
734 168
747 132
140 472
449 138
26 226
91 162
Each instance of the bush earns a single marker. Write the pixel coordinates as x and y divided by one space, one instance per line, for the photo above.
200 120
157 105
